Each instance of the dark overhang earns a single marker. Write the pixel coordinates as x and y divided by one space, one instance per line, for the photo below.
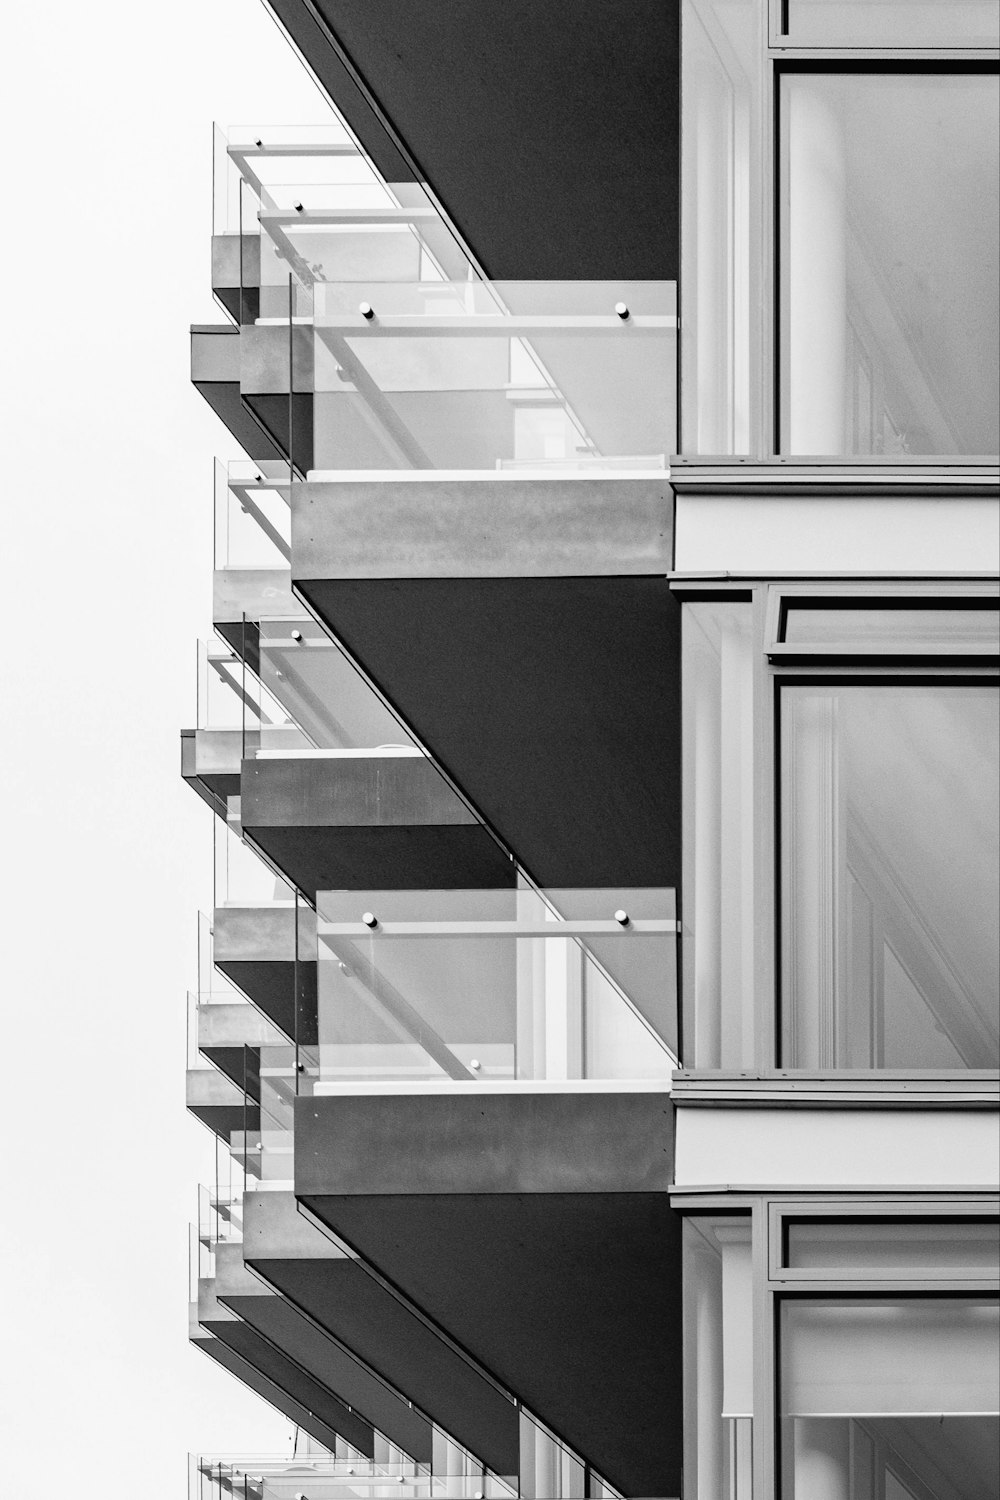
549 134
257 1381
525 631
326 1413
288 1330
368 822
534 1228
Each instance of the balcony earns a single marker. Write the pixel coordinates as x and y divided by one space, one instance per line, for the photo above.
330 1478
368 340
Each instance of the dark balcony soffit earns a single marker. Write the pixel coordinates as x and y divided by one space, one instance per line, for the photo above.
525 631
385 822
535 1230
327 1361
336 1292
259 421
365 1317
550 134
219 1100
254 947
256 1381
213 777
287 1376
554 703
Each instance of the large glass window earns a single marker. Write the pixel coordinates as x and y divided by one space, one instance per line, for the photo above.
889 1400
888 262
889 875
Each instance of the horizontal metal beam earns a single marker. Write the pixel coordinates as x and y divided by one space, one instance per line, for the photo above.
637 927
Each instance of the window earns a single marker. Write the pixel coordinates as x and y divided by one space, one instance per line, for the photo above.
886 1246
887 262
839 229
889 1399
888 23
889 874
898 627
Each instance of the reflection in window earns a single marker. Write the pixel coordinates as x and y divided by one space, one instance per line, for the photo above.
889 1400
890 883
882 1245
889 301
892 23
897 626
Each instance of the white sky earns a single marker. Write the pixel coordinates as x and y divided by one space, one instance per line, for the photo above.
108 453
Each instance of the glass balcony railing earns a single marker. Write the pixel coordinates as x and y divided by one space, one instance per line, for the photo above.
242 878
307 200
410 358
314 699
252 516
222 685
491 375
478 986
330 1478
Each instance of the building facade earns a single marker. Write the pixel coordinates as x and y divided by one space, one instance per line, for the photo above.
598 1018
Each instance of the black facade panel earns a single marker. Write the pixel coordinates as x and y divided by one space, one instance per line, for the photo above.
550 133
364 1316
554 703
301 1388
282 1325
535 1230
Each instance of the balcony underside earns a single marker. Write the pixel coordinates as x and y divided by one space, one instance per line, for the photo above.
365 1317
255 948
325 1410
327 1361
552 702
255 1380
528 85
220 1101
260 421
210 764
366 824
338 1295
502 1248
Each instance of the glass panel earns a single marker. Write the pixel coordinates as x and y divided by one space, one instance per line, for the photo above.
548 1470
722 224
252 516
426 985
325 702
410 360
900 625
269 1098
241 876
840 1244
718 1358
347 1473
475 375
889 1399
717 728
220 687
890 881
889 289
894 23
